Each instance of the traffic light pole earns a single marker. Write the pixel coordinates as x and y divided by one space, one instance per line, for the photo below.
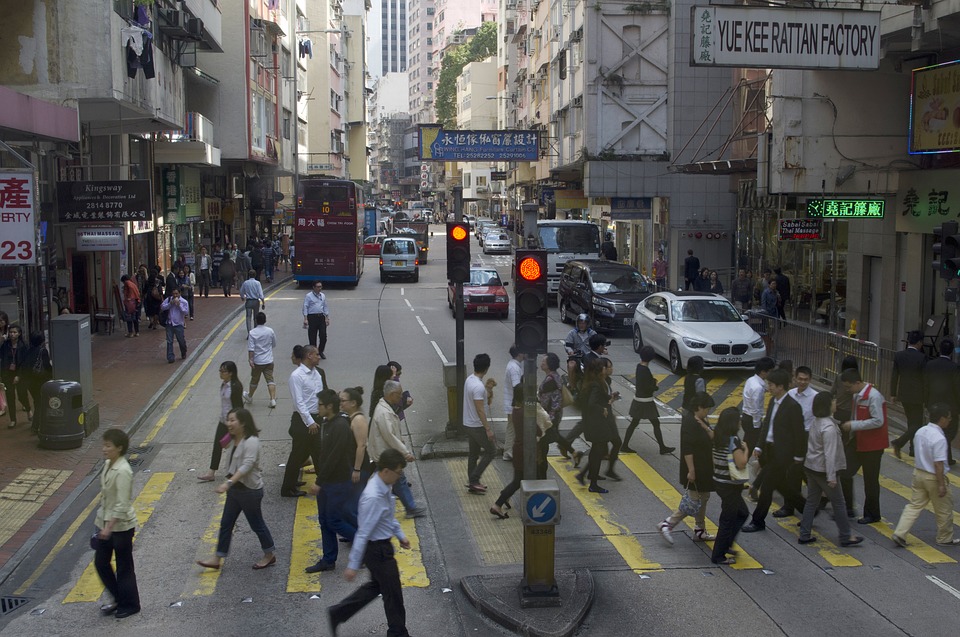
529 417
458 305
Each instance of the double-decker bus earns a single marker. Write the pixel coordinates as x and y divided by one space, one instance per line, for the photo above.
328 231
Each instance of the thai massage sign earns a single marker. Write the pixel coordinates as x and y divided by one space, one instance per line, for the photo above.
768 37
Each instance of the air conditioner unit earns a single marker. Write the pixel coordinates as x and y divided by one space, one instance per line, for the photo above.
195 28
577 35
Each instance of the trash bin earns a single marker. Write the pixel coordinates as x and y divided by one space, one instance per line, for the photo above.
61 415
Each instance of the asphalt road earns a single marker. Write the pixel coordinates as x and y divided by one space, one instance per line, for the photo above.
642 585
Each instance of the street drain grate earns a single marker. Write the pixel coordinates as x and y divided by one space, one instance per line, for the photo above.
10 604
133 462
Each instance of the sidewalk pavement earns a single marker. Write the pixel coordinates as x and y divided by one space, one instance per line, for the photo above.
130 377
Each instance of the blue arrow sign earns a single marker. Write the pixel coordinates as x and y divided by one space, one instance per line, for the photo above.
541 507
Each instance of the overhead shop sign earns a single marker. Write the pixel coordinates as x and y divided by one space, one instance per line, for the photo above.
99 239
801 230
935 109
80 201
845 208
767 37
437 144
18 223
630 208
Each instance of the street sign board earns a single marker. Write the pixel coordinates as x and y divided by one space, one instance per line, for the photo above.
801 230
437 144
541 502
625 208
541 507
846 208
85 201
18 219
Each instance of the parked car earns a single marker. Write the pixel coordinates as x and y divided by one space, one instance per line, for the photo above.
372 244
496 241
485 293
399 258
679 325
471 220
483 227
606 291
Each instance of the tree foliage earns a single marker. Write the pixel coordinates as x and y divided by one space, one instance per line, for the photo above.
479 47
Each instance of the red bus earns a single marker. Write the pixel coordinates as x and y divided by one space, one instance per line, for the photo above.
328 231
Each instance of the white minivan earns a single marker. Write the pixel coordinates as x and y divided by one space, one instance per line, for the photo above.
399 258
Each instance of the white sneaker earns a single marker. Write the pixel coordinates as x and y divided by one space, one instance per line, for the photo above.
273 403
246 398
665 532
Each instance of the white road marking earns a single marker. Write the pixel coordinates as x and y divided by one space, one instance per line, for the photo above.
407 301
443 359
425 330
939 582
402 291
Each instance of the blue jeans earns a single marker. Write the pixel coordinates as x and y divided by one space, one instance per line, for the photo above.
335 512
178 330
268 270
401 489
240 498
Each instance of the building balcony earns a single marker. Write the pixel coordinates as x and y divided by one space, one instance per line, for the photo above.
195 144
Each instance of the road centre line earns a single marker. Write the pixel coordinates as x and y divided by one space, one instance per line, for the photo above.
407 301
443 359
89 588
424 327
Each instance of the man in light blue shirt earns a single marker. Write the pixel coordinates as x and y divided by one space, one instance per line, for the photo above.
177 310
316 317
373 547
252 294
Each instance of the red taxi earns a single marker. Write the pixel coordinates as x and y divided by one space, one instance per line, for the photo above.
484 294
372 245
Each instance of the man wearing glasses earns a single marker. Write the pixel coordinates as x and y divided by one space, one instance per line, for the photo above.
316 317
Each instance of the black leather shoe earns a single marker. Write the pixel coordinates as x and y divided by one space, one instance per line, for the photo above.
293 494
753 528
320 566
108 609
126 613
782 513
868 520
323 356
806 540
301 483
333 623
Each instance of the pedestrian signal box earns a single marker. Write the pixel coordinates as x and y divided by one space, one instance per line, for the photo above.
530 331
458 251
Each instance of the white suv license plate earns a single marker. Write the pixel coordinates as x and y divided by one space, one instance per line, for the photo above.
730 359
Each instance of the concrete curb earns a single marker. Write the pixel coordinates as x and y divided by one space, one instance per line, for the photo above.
498 597
14 562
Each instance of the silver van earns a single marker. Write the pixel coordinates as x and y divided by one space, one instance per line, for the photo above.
399 257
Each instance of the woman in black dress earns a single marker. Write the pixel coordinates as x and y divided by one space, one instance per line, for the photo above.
644 406
693 382
153 297
594 401
696 466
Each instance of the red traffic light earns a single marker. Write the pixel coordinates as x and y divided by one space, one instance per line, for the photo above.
459 232
529 269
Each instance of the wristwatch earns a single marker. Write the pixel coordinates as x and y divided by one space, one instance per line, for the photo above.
229 481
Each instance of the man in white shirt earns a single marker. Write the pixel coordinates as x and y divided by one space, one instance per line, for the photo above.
260 346
316 317
204 263
385 434
511 379
804 394
479 430
751 416
305 384
252 294
930 484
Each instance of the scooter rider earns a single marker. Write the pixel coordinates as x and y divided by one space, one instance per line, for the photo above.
577 342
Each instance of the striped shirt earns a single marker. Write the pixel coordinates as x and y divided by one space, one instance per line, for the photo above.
721 470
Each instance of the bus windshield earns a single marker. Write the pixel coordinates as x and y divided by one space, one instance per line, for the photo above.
581 238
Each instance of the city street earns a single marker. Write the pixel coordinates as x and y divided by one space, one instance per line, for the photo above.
776 587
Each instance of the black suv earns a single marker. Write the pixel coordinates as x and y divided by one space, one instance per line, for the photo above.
606 291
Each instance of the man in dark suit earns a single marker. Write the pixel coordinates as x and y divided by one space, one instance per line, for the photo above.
907 384
780 450
691 269
941 378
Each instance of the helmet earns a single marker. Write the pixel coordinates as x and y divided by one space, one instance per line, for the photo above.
583 317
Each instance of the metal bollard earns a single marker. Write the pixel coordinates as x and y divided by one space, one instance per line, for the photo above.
541 514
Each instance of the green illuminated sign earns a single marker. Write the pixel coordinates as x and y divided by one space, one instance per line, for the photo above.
846 208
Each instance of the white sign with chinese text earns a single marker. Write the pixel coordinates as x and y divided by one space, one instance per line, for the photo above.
785 38
99 239
926 199
18 222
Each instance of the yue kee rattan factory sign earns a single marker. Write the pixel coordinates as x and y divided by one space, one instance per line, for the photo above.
767 37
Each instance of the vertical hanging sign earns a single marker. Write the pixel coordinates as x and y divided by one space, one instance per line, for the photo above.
18 231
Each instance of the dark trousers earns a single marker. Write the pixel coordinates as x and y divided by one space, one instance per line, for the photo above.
633 425
336 517
751 434
574 433
733 513
869 461
385 581
817 487
317 331
914 413
204 283
512 487
553 435
121 584
950 432
175 330
482 450
597 451
777 475
217 452
305 445
240 498
14 392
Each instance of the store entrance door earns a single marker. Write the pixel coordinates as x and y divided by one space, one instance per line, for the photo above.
81 298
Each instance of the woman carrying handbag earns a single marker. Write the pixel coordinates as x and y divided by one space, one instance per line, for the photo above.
730 457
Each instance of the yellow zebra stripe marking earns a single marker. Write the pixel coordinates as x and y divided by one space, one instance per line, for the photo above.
413 574
89 588
306 548
625 542
670 497
732 400
827 549
922 550
203 581
499 541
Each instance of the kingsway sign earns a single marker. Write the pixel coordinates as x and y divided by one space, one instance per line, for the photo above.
768 37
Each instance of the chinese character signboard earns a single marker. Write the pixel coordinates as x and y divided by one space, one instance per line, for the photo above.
627 208
570 199
935 109
801 230
100 239
926 199
786 38
845 208
86 201
437 144
18 228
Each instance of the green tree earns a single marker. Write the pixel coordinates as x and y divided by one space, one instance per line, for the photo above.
479 47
